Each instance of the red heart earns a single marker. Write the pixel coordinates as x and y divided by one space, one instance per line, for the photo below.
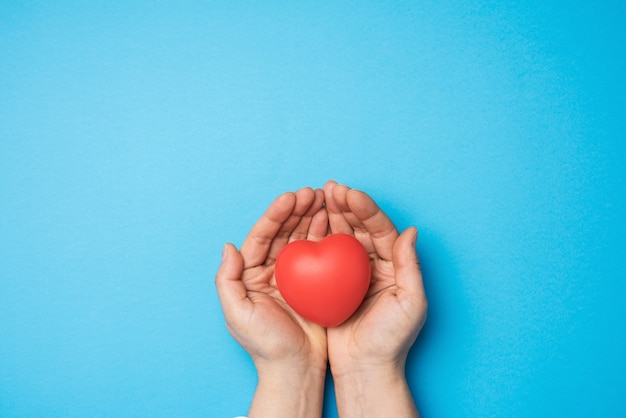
326 281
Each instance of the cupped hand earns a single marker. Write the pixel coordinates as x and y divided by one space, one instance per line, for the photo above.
256 314
380 333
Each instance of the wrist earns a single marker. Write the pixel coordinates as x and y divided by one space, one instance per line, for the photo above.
286 367
288 390
346 365
367 375
287 372
374 391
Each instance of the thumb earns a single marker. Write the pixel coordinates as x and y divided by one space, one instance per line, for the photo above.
230 289
406 264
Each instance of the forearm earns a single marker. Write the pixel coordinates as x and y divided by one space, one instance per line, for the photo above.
288 392
374 393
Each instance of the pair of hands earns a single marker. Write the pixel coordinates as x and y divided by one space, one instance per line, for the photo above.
367 353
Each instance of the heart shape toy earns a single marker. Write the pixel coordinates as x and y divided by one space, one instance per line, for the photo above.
326 281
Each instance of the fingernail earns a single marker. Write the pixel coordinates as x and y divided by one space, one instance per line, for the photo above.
414 240
224 252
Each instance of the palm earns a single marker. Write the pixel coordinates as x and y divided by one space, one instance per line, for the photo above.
279 328
367 333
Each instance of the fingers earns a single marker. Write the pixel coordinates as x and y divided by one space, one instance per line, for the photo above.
307 201
257 244
301 215
230 288
371 220
301 231
407 267
354 212
336 219
319 226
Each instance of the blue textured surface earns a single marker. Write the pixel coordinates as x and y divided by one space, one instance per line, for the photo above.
137 137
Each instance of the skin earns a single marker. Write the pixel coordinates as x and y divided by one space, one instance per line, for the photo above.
289 353
367 353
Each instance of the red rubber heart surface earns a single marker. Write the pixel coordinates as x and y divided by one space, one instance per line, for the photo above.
326 281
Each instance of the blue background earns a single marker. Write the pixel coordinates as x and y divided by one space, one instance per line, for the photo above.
137 137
